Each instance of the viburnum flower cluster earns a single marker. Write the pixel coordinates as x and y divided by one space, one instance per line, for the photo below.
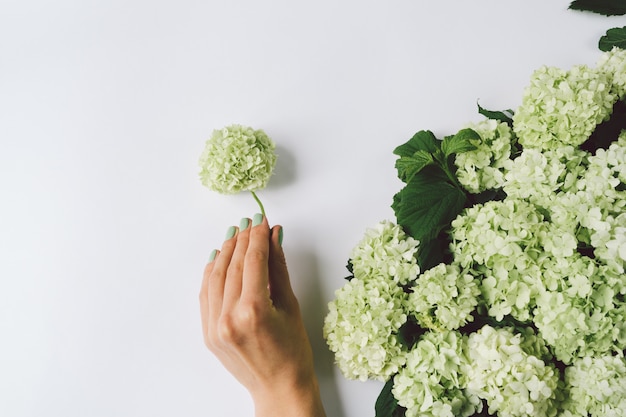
362 328
483 168
386 251
524 314
580 99
363 323
238 158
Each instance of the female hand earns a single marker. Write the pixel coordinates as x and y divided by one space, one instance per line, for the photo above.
252 322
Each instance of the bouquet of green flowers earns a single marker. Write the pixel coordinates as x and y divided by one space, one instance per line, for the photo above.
500 289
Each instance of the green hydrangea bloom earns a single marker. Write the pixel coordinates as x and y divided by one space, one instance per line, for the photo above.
601 187
562 107
237 158
609 240
499 242
613 63
443 297
362 327
485 232
597 387
483 168
509 291
431 383
604 172
505 370
386 251
578 311
538 177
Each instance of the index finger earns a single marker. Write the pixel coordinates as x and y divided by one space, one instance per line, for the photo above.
255 266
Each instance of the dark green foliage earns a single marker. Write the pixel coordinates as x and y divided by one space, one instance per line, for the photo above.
386 404
505 116
613 37
427 205
604 7
410 332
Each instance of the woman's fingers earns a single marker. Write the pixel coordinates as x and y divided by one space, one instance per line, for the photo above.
216 280
255 277
249 263
234 275
280 286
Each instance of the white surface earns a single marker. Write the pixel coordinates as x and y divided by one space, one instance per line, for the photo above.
104 226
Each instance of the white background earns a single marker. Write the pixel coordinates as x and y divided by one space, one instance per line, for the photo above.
104 225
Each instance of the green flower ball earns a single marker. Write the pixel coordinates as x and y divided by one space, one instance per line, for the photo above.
237 158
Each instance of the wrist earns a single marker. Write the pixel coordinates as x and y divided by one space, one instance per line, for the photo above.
301 399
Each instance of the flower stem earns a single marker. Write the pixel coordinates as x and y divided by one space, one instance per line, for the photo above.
258 202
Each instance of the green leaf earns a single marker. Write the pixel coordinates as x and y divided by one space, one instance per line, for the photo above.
434 252
410 333
386 404
505 116
613 37
459 143
605 7
408 166
424 140
427 204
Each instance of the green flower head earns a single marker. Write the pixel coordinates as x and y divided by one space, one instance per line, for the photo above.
483 168
443 297
387 252
613 63
597 386
431 384
362 328
563 107
237 158
504 369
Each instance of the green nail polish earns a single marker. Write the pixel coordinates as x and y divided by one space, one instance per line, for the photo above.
212 255
280 236
257 219
230 232
244 223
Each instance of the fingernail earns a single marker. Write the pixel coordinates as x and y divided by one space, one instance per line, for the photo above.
230 232
244 223
212 255
257 219
280 236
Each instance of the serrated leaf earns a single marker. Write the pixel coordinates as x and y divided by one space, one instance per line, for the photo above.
408 166
434 252
386 404
613 37
604 7
505 116
427 204
459 143
424 140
